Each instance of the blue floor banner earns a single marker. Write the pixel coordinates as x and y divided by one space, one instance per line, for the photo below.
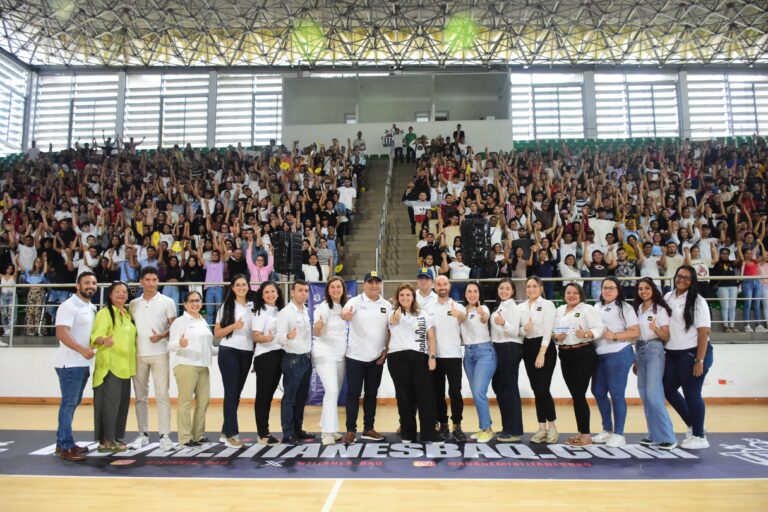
316 296
731 456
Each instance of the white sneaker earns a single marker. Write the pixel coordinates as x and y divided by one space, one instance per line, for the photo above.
140 442
327 439
602 437
760 328
748 328
695 443
222 438
615 441
689 433
166 443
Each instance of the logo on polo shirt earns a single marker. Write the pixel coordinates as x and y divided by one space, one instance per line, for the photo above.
650 318
383 310
472 315
450 313
538 308
577 315
607 309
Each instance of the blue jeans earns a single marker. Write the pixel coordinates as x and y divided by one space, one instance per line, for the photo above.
480 365
457 291
213 298
174 293
6 311
611 377
505 385
650 385
752 292
56 297
234 365
72 383
678 372
297 368
727 296
596 287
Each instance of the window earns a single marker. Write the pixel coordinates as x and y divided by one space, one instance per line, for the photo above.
748 95
636 105
13 93
350 118
723 105
547 106
441 115
422 117
261 97
167 109
708 106
75 108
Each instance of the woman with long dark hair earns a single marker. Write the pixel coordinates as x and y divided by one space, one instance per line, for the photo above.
192 340
537 318
653 315
328 351
577 325
615 358
508 347
412 358
688 354
113 337
479 356
234 327
268 356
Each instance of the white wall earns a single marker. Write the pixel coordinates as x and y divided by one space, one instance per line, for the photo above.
28 372
496 134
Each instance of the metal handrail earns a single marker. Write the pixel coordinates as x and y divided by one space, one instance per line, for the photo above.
383 222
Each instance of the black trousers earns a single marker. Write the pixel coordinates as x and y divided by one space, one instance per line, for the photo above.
234 365
399 154
578 365
541 378
111 400
504 382
410 154
414 392
412 218
449 367
268 372
362 375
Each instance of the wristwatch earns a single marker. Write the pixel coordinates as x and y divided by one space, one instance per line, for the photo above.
698 361
432 356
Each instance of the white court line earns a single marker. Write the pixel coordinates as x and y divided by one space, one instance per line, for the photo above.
332 496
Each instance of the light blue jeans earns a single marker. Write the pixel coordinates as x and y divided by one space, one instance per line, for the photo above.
6 311
611 377
480 365
751 290
727 296
650 384
213 298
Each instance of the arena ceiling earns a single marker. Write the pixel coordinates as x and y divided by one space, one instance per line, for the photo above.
399 33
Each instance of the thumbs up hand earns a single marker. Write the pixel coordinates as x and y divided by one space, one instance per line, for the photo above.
319 325
183 341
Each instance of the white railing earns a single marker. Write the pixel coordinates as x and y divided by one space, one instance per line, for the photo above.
385 211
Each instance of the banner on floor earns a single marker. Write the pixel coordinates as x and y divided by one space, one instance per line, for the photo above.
316 297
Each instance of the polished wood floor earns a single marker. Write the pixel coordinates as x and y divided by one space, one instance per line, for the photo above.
188 494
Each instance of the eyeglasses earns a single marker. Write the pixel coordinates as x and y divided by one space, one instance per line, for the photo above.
194 301
683 278
609 288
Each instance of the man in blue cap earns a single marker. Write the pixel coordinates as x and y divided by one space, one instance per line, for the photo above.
425 297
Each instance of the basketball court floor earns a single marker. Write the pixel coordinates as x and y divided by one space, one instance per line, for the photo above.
732 474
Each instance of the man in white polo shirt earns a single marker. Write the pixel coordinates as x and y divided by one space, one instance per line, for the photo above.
366 351
447 316
425 297
74 321
153 313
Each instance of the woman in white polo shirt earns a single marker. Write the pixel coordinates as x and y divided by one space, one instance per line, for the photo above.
267 356
479 356
508 347
412 358
653 315
615 358
234 327
328 351
192 341
577 325
688 354
537 318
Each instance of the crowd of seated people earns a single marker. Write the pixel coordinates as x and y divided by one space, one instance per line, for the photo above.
620 209
197 215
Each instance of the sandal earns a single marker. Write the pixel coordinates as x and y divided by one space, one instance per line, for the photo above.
577 440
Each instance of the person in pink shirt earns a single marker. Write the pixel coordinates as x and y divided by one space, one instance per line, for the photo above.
260 269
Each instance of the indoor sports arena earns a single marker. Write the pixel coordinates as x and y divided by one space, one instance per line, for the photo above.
341 255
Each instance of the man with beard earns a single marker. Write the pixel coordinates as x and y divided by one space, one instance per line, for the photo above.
74 321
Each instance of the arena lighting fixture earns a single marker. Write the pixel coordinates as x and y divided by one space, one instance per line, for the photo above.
308 39
460 34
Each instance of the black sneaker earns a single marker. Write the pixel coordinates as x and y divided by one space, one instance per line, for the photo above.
443 434
203 440
290 440
305 436
192 444
269 440
646 441
666 446
458 435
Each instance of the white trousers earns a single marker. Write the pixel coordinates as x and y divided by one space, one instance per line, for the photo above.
158 366
331 373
